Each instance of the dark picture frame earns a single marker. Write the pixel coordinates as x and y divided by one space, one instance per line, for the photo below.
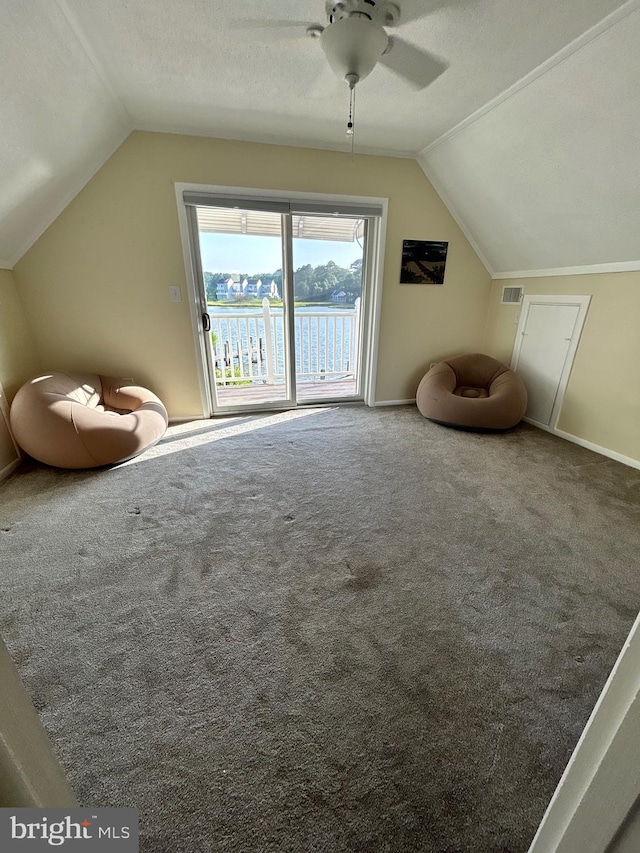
423 261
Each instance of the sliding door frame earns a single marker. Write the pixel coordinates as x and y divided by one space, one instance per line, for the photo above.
288 303
373 265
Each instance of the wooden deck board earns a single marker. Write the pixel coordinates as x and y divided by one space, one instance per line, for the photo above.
248 395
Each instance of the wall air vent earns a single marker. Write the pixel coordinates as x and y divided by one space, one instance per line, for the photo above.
512 295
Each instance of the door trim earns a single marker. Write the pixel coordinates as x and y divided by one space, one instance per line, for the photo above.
371 313
288 319
600 783
582 303
31 774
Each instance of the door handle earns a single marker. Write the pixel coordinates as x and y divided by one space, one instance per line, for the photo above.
206 321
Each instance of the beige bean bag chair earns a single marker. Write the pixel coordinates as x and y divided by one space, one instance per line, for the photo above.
473 391
81 420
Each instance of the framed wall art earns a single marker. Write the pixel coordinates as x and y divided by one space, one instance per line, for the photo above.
423 261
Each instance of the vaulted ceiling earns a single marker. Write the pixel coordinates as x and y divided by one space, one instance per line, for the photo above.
530 134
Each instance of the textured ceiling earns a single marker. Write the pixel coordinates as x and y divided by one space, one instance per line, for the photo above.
78 75
549 178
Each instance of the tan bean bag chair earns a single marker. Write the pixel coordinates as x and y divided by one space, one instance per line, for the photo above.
81 420
473 391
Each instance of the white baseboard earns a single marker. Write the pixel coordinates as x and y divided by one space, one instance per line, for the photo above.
604 451
589 445
394 402
183 419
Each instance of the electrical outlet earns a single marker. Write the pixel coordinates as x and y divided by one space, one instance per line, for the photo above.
174 293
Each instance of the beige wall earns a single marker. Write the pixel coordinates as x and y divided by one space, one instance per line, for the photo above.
8 453
602 401
18 360
95 284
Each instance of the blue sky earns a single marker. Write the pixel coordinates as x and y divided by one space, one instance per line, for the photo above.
244 254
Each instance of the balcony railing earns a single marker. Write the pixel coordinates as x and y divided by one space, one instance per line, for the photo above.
249 346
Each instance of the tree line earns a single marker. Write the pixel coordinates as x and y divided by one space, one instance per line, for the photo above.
309 283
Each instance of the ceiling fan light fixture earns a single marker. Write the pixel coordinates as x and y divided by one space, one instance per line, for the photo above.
353 46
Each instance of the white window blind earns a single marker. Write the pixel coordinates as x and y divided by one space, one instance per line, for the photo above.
261 217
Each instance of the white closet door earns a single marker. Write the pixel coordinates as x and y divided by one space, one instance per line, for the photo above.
546 342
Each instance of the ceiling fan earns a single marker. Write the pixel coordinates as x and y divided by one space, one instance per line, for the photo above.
355 40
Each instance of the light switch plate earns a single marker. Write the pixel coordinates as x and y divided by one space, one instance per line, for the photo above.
174 293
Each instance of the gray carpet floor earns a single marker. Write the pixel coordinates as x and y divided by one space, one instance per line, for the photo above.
338 630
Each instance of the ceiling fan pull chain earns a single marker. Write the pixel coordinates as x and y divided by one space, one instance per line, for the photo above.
352 114
352 110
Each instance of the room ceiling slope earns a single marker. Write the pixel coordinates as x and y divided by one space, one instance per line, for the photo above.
228 69
548 179
59 121
79 75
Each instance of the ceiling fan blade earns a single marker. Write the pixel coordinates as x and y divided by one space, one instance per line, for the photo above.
418 67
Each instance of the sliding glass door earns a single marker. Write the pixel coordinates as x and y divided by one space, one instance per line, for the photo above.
247 307
328 254
281 296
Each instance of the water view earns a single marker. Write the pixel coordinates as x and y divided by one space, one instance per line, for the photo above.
249 343
250 339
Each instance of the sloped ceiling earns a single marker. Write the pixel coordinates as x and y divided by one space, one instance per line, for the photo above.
79 75
59 120
548 177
